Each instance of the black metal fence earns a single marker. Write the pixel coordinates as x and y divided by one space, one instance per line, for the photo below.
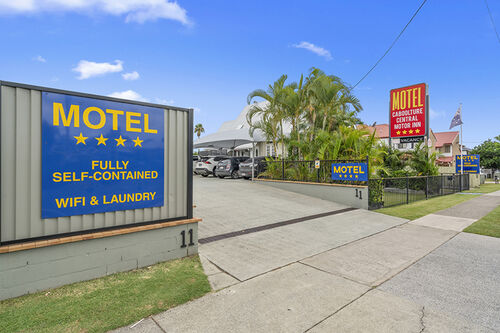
387 192
304 171
383 192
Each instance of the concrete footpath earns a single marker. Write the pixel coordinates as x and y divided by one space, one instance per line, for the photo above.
351 271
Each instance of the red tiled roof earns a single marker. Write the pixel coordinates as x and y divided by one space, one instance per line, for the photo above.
443 138
444 160
381 131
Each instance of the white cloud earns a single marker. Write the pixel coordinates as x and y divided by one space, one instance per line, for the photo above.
39 58
314 49
128 94
138 11
130 76
89 69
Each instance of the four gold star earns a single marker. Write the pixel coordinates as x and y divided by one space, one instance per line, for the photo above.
120 141
138 142
101 140
81 139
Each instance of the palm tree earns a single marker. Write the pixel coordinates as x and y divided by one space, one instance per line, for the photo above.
294 101
198 129
273 113
334 103
423 161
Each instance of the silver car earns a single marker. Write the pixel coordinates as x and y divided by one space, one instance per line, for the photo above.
207 165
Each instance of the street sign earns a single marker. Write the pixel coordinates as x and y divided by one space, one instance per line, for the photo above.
408 111
316 164
471 163
350 171
100 155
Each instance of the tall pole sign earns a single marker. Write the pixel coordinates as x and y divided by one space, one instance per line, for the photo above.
408 113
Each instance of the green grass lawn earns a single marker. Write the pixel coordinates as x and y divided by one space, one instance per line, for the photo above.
106 303
485 188
423 207
489 225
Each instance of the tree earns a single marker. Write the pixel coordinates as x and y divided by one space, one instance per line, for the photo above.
273 113
334 104
489 153
423 162
395 163
198 129
316 106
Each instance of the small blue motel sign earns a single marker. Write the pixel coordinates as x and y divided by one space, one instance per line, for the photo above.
471 163
350 171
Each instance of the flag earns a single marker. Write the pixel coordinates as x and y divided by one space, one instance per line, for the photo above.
457 118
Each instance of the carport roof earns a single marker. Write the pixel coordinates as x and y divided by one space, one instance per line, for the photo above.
228 139
233 133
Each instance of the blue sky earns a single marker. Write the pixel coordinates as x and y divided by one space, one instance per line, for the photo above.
210 54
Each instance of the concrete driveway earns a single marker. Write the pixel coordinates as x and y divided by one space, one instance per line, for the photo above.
284 262
235 204
239 204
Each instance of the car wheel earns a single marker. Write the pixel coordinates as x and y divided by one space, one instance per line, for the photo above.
234 174
221 177
246 177
204 175
213 172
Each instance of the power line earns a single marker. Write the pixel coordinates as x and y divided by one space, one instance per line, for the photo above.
491 18
390 47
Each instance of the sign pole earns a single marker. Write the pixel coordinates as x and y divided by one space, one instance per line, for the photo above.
253 158
461 147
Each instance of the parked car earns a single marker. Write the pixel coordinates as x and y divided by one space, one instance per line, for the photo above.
208 164
245 169
229 167
196 159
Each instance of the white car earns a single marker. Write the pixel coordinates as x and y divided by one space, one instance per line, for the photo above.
196 159
208 164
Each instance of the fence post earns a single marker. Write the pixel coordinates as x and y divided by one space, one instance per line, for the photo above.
442 184
407 189
317 175
368 180
427 187
282 169
460 183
